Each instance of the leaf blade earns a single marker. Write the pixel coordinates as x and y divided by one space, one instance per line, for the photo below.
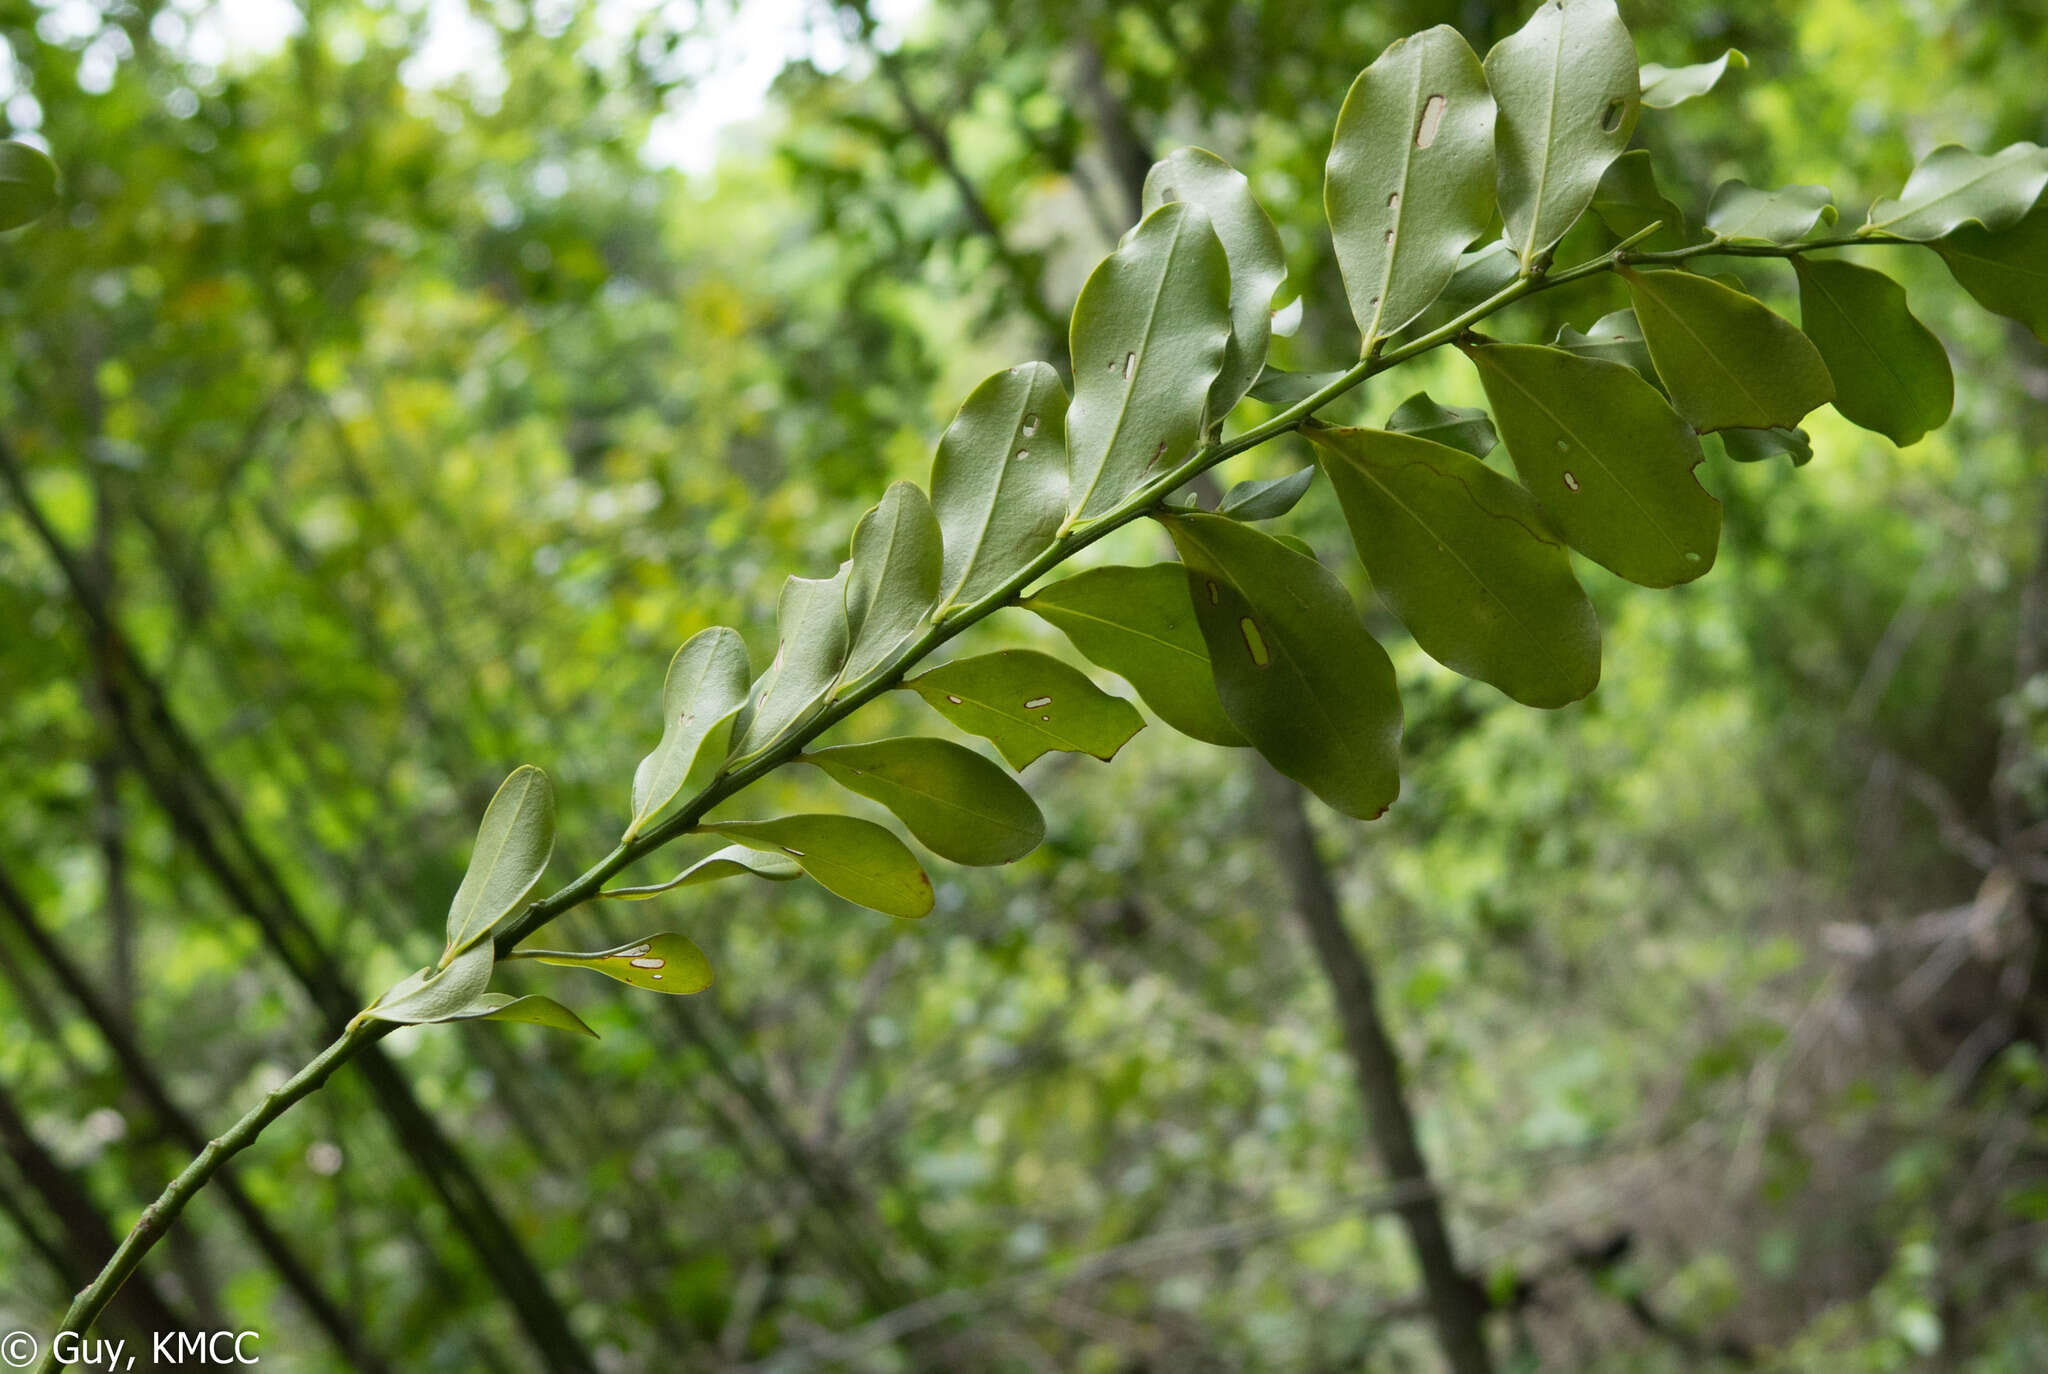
513 845
1891 374
701 697
1028 704
892 579
958 804
999 481
666 963
850 858
1727 360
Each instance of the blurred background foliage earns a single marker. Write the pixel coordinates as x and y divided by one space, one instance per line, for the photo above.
406 382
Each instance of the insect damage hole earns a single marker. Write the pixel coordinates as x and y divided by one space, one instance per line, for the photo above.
1036 702
1254 641
1030 425
1432 120
1130 365
1571 481
1610 118
648 963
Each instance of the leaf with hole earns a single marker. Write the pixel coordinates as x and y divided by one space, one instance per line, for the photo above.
1464 558
666 962
1028 704
1664 87
851 858
999 482
1628 202
704 692
958 804
1139 624
1266 498
1742 214
1409 180
1251 247
511 852
28 185
1569 94
733 861
1609 461
2006 271
892 580
1728 361
1298 675
1465 428
1891 374
1148 340
812 634
1953 187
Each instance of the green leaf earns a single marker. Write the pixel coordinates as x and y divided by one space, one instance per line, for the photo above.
434 994
1727 360
1891 374
810 622
1265 499
1028 704
1628 202
1953 187
1609 461
1481 274
958 804
1251 246
1277 386
1298 674
1463 557
999 482
1148 340
1743 214
512 849
1615 337
729 862
1757 445
704 692
531 1010
892 580
1465 428
1569 95
1664 86
1139 624
851 858
660 963
2005 271
1409 182
28 185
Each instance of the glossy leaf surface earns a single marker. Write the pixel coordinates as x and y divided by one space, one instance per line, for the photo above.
1616 337
1139 624
704 692
1953 187
812 639
1463 557
1298 675
1743 214
999 482
1148 340
1628 202
1410 177
2005 271
1727 360
958 804
1891 374
1664 87
1028 704
1266 498
733 861
1465 428
666 962
892 581
511 852
434 994
1569 94
849 857
1609 461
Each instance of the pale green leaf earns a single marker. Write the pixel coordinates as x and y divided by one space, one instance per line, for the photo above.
1610 462
1463 557
1251 246
1299 676
1569 94
1891 374
958 804
813 636
1616 337
733 861
1757 445
1266 498
849 857
512 849
2006 271
1480 275
892 580
666 962
1628 202
1028 704
1664 87
1139 624
999 482
704 692
1726 359
1953 187
1409 181
1743 214
433 994
1465 428
531 1010
1148 340
1277 386
28 185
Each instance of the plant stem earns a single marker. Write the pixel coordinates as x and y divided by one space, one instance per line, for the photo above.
744 772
